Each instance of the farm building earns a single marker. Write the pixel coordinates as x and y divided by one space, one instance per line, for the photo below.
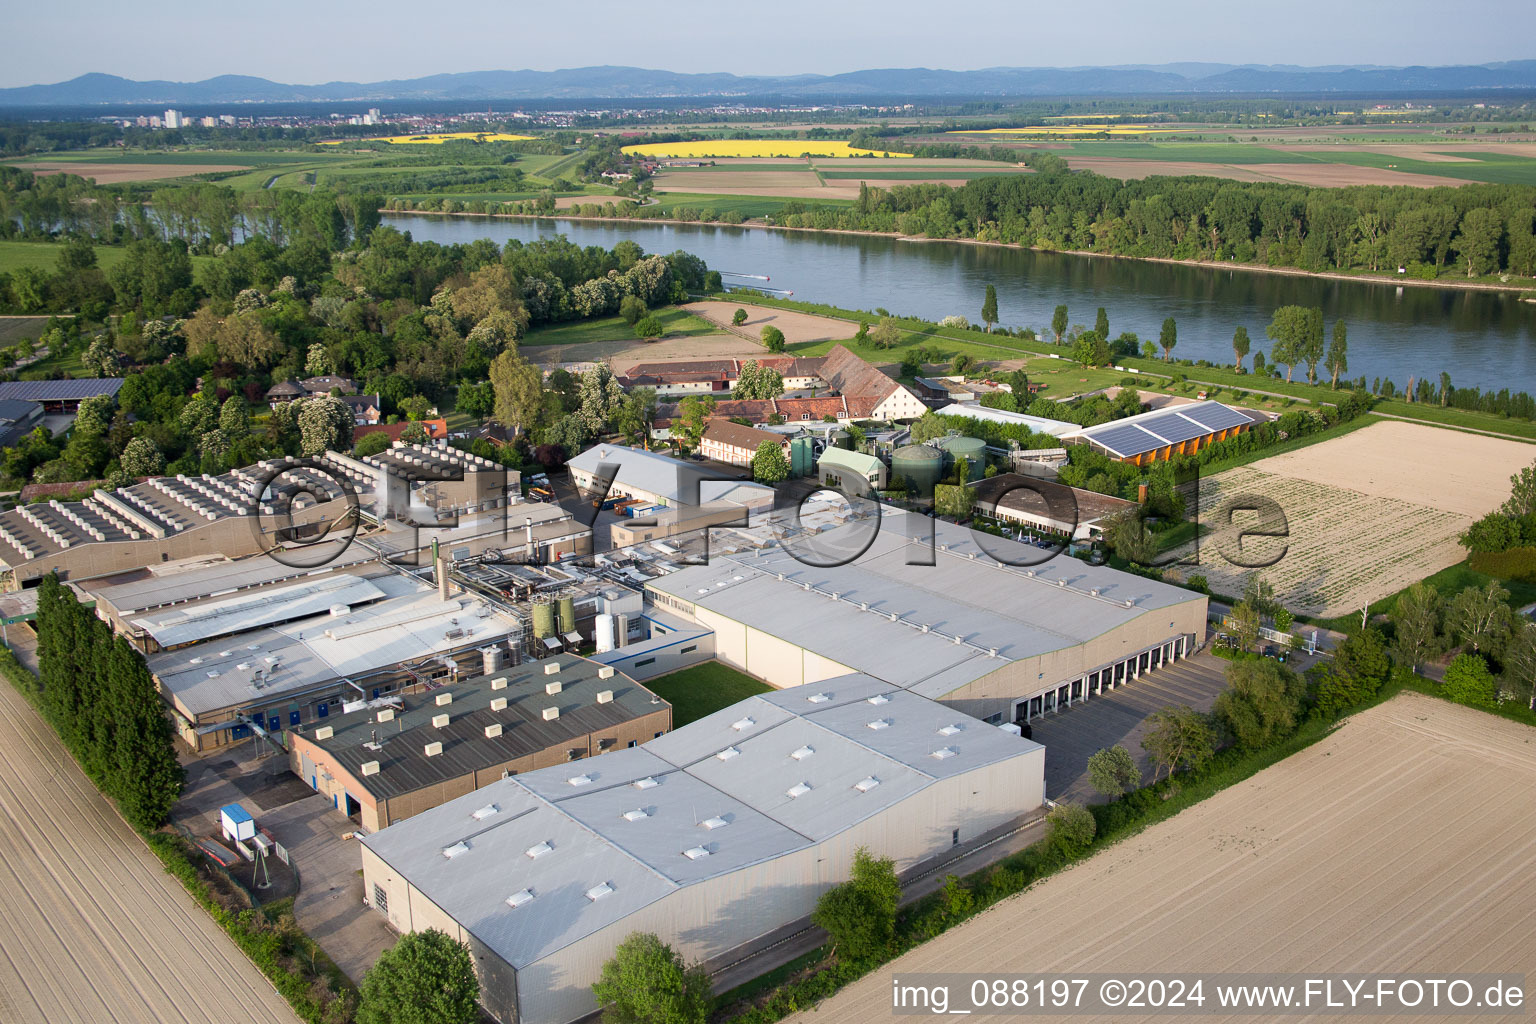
999 640
683 377
854 472
401 755
711 836
17 420
58 396
736 445
1163 433
1048 507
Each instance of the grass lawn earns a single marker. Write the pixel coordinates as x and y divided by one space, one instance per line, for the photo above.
703 690
45 255
677 322
747 206
70 364
15 328
1447 417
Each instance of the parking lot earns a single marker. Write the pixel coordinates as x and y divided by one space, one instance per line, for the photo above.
1120 716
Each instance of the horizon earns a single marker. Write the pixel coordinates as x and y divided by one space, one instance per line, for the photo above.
695 40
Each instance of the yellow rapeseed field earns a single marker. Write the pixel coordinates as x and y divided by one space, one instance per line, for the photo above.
750 147
435 140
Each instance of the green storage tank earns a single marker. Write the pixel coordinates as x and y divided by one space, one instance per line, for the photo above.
802 457
969 448
837 437
920 465
543 620
567 615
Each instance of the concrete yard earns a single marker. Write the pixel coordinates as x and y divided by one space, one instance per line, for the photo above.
91 926
1400 844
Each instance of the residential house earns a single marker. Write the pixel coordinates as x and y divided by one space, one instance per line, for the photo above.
736 445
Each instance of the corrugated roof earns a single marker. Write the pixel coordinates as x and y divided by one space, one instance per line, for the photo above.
257 608
1149 431
1038 424
58 390
858 462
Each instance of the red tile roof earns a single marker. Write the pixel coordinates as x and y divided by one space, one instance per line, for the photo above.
436 430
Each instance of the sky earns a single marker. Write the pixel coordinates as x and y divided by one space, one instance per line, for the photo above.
308 42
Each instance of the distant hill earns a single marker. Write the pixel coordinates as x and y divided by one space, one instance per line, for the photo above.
883 83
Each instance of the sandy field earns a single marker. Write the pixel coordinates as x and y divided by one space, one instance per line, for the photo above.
1367 514
111 174
1400 844
797 327
622 355
1322 175
91 927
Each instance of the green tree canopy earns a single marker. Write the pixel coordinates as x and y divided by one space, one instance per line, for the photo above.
425 978
1113 770
646 982
860 914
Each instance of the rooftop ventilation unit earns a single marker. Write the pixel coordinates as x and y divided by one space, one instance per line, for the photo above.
443 698
696 853
727 753
864 785
325 732
456 849
520 897
879 698
803 753
950 730
550 714
370 768
598 891
580 780
432 749
879 723
554 687
386 715
439 721
485 812
605 697
636 814
606 672
498 703
539 850
798 790
713 823
493 731
944 752
1130 602
645 783
551 668
743 724
819 698
499 683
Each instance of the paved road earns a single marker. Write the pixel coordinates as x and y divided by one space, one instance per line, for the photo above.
92 929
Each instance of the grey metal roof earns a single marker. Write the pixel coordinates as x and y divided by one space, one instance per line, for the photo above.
644 471
907 624
59 390
13 410
580 810
404 765
251 610
1149 431
1039 424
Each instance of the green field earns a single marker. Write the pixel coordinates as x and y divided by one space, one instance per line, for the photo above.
1498 168
15 328
678 324
1205 152
45 255
703 690
747 206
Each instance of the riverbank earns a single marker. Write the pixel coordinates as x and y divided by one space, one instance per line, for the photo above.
1257 268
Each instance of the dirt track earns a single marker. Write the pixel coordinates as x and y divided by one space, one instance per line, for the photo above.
797 327
1400 844
92 929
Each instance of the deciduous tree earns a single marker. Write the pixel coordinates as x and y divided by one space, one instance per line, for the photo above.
1112 770
860 914
647 982
1180 738
425 978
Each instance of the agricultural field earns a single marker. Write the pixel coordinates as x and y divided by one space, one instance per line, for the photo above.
797 327
1367 513
821 179
611 339
117 172
750 148
15 328
1265 876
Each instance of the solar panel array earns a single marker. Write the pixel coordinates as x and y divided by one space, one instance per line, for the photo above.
58 390
1150 431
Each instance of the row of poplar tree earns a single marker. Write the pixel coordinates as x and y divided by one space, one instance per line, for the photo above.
97 693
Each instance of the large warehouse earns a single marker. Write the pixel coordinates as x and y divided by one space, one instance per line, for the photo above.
999 642
711 836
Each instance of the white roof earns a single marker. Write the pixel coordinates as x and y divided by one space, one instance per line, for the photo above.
1038 424
246 611
648 821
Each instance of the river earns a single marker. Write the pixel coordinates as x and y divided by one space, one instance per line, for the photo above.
1484 339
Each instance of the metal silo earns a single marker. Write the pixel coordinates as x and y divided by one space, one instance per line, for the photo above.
920 466
968 448
567 615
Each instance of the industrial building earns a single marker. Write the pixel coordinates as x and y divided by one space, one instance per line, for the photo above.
245 511
711 836
1164 433
1048 507
400 755
854 472
59 396
1037 424
987 625
659 479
